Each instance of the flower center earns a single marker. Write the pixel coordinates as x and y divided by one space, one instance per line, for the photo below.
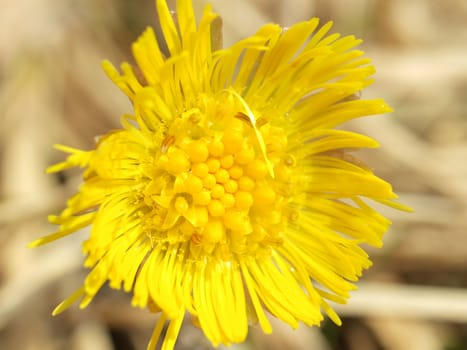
213 187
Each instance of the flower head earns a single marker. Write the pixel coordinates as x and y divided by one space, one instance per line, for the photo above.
229 194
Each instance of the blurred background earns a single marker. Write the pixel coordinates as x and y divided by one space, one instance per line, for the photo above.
52 90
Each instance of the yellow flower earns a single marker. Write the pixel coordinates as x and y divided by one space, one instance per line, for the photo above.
228 194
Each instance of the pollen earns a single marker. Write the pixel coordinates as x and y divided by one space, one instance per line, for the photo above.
202 198
236 172
217 191
218 176
213 165
228 200
209 181
216 148
216 208
197 151
256 170
233 141
200 170
222 176
193 184
177 162
245 156
227 161
231 186
243 200
246 183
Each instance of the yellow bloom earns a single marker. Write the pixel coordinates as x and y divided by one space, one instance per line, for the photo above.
228 193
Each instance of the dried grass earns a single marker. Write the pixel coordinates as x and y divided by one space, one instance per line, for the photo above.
52 91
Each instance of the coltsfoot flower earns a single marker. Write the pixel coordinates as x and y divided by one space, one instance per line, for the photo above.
229 194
